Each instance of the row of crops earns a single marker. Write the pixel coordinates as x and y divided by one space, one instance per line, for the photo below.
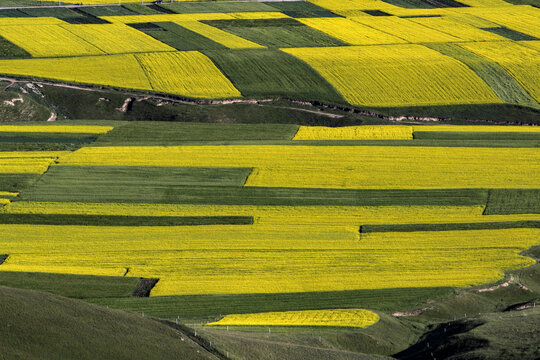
353 213
364 53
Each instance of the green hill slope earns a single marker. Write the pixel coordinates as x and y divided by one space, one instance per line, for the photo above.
42 326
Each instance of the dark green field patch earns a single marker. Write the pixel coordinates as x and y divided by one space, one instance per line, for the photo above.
510 34
160 9
513 201
152 133
276 33
74 286
19 137
16 182
37 146
140 9
58 12
177 36
450 226
9 50
200 306
268 72
465 136
107 10
411 4
70 188
3 257
120 220
502 83
301 9
12 13
217 7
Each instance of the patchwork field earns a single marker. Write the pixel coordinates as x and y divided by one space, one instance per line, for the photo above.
321 179
376 54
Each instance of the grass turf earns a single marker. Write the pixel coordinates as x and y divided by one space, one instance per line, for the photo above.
44 326
205 306
73 286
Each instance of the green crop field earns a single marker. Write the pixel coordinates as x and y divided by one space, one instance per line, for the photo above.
320 179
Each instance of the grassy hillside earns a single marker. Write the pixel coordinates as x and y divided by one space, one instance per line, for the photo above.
41 326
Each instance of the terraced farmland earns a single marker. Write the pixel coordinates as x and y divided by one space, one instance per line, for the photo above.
348 53
328 179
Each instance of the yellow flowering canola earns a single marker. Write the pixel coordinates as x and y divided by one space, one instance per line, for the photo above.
270 258
397 132
116 38
8 193
334 317
353 167
48 41
365 132
405 29
396 75
463 31
78 129
184 73
27 161
351 32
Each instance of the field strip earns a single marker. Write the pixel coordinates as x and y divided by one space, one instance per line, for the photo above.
534 224
122 220
195 74
387 70
301 259
75 129
334 317
344 167
365 132
349 217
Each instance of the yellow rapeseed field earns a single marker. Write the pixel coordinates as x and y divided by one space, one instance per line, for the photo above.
522 63
268 258
362 167
405 29
520 18
112 70
8 193
334 317
24 165
351 32
48 41
183 73
27 162
4 202
460 30
365 132
188 73
344 217
116 38
396 75
76 129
